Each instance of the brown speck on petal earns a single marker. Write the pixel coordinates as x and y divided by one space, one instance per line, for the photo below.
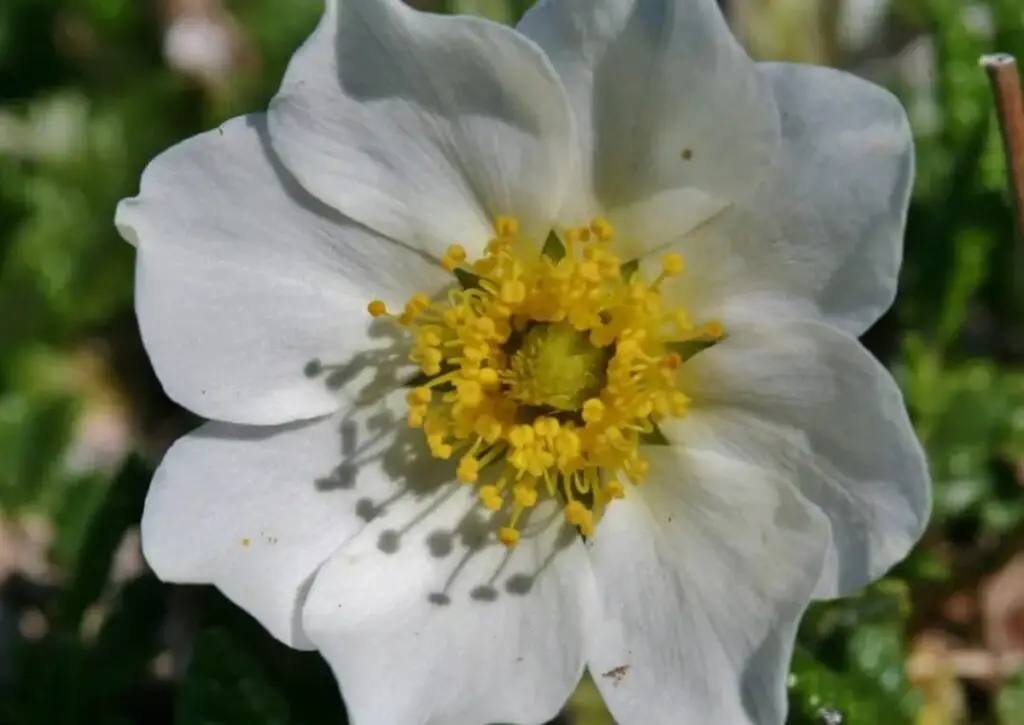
616 673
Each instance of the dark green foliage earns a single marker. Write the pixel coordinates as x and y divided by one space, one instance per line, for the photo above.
225 686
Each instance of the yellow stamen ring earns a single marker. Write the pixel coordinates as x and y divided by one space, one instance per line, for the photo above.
544 375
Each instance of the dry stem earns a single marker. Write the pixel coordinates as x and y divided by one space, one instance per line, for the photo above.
1006 85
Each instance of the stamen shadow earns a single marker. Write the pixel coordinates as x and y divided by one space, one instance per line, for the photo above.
370 433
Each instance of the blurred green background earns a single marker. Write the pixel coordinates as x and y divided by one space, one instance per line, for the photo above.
90 90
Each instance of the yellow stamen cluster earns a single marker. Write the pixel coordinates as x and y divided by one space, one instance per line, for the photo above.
544 370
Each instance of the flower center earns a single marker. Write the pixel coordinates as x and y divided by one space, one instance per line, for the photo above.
545 370
557 366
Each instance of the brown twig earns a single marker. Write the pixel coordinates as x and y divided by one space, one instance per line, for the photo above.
1006 85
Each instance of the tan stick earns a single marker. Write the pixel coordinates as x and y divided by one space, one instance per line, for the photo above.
1005 78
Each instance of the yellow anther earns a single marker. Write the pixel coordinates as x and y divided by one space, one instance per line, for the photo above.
470 392
714 329
419 396
453 257
442 451
525 496
474 353
628 347
485 326
580 516
418 302
431 362
672 264
488 428
508 536
590 271
469 469
678 403
506 226
672 361
436 425
512 291
546 427
491 497
615 438
637 292
682 321
637 468
568 443
377 308
521 436
614 489
573 511
602 229
593 411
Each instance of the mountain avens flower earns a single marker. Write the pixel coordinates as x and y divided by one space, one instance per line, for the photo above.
534 350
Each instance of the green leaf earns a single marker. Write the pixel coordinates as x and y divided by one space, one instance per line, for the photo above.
628 269
814 687
121 509
34 431
496 10
879 652
1010 701
467 279
225 686
553 248
74 504
654 438
688 348
970 267
420 378
518 8
130 637
55 664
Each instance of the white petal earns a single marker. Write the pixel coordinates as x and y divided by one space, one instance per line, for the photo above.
703 573
424 127
255 511
823 236
427 620
808 403
243 280
670 109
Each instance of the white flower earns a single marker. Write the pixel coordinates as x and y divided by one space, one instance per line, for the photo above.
320 499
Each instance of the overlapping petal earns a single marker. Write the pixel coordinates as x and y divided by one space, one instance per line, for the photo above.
823 236
807 403
255 510
424 127
427 620
674 122
702 574
245 284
